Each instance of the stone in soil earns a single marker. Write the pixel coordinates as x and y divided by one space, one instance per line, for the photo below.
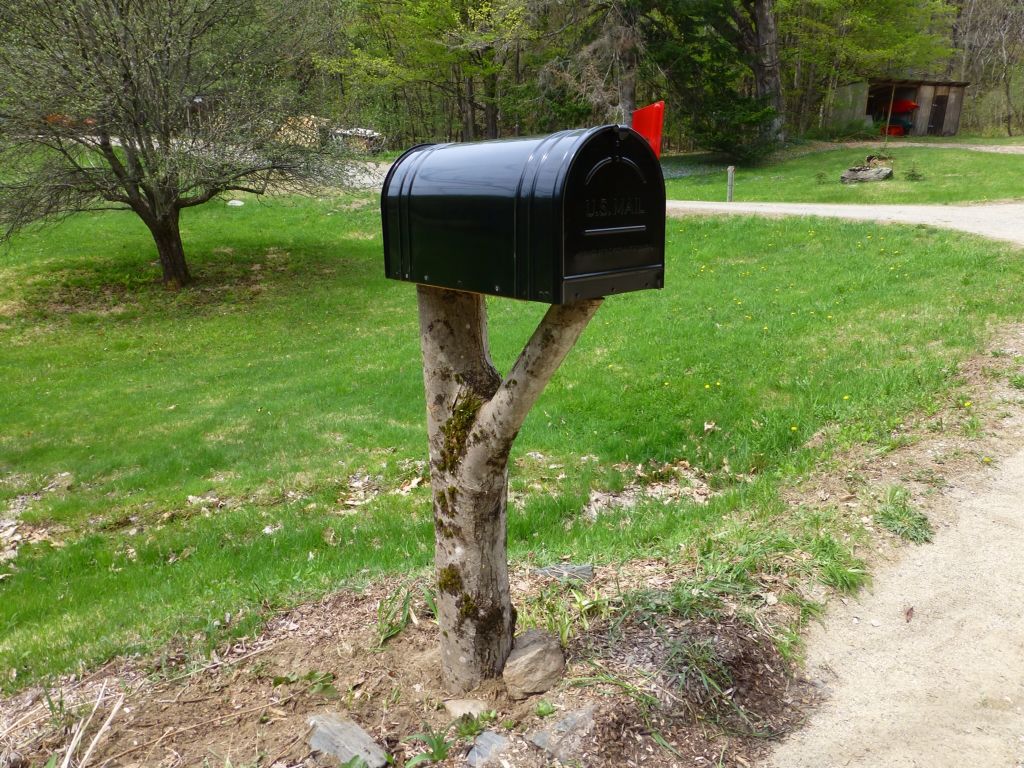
564 739
534 666
485 746
339 737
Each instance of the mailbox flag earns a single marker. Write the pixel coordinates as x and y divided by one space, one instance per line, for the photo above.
647 121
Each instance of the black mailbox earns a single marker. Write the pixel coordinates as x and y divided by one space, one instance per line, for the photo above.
575 215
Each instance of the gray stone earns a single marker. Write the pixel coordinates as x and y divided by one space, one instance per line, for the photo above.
341 738
567 572
534 666
865 173
486 745
564 739
462 707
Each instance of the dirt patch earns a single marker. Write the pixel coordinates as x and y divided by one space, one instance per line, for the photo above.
14 532
251 705
665 482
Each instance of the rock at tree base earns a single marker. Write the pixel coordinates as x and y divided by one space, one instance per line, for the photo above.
865 173
534 666
339 737
564 740
486 745
463 707
567 572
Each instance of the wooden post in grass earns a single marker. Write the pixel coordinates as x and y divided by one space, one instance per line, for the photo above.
473 417
731 183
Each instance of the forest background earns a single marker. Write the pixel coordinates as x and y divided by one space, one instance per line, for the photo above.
740 75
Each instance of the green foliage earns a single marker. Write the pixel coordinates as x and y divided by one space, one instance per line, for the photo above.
562 611
394 614
896 514
735 126
321 683
706 75
544 708
468 726
438 747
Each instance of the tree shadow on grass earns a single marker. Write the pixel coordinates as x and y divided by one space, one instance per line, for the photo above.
225 278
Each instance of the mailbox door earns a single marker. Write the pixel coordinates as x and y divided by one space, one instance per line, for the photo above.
614 212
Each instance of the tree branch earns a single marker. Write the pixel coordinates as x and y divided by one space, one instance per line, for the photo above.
501 417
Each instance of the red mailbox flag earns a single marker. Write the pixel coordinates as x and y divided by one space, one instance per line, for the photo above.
647 121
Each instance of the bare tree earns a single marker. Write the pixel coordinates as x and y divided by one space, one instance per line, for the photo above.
148 105
990 34
473 416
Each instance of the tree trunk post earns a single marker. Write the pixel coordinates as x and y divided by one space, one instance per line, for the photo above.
167 236
472 420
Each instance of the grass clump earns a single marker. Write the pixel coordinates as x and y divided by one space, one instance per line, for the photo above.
896 515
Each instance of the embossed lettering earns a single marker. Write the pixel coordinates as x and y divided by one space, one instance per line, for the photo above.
604 207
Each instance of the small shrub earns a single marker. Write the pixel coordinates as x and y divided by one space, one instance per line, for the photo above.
913 174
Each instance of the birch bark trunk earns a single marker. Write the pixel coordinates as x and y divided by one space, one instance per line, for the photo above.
473 417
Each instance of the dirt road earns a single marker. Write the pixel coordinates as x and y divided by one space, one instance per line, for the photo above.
998 149
946 688
1000 221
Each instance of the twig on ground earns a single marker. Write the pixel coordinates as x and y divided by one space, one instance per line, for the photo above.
102 731
82 725
283 750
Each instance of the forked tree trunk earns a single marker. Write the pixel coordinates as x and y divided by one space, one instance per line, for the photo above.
167 237
472 420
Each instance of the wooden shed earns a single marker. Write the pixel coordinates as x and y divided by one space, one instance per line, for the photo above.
936 113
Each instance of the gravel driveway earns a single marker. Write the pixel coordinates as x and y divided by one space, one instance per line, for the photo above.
1000 221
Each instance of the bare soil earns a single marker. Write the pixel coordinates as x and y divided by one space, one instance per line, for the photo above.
251 705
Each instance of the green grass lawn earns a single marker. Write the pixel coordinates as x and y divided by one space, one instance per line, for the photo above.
947 176
217 435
